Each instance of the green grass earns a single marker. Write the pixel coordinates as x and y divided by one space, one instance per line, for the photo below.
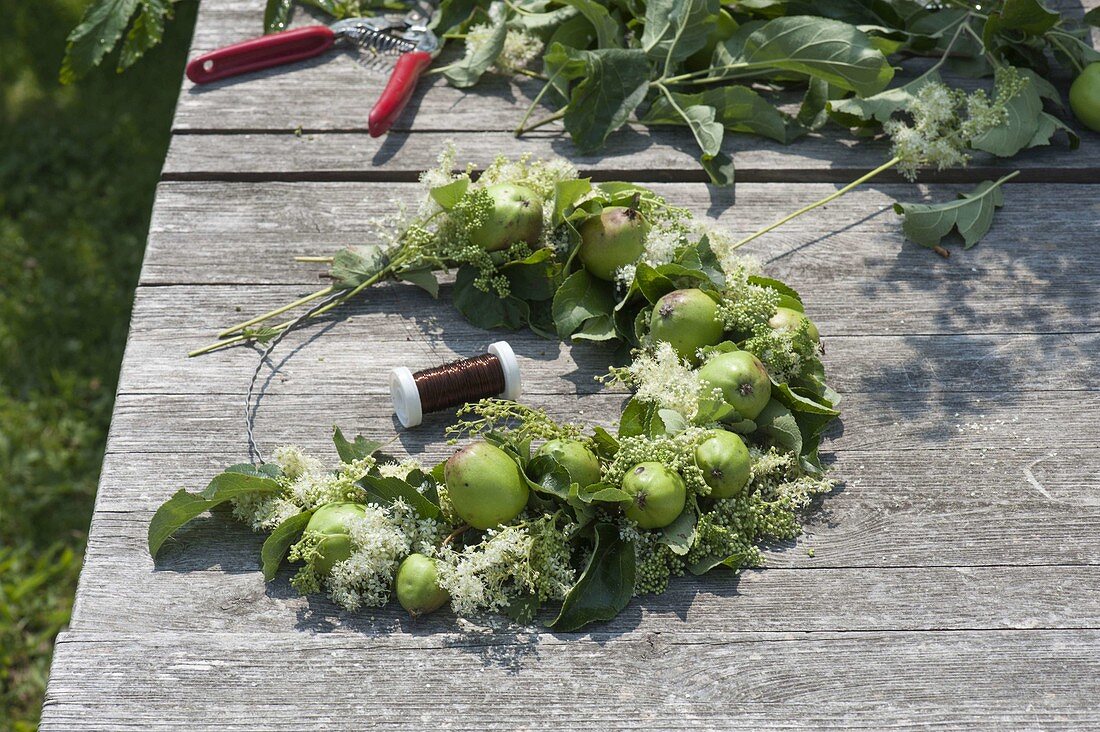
78 167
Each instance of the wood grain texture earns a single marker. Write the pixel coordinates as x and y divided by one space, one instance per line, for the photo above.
233 597
637 679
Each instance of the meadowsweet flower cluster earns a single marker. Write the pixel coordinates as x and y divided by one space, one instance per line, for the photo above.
659 376
306 485
541 176
786 354
745 305
520 47
663 242
945 120
531 559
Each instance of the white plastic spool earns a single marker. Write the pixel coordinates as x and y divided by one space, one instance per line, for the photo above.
406 397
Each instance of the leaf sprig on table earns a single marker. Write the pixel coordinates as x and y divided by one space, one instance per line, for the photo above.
772 68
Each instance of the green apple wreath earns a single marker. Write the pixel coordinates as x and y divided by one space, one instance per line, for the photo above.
715 453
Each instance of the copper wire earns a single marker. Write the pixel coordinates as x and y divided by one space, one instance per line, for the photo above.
459 382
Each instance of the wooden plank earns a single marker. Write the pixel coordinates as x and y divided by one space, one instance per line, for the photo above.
331 358
333 94
248 233
235 598
624 679
640 154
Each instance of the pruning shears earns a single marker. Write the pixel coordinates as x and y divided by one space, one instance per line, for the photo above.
408 37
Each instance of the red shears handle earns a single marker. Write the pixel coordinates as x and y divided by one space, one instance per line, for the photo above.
261 53
398 91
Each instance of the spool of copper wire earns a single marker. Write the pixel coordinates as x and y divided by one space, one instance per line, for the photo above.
495 373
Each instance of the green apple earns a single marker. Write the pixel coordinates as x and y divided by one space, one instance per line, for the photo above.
786 319
743 380
331 521
658 495
580 462
1084 96
686 319
516 216
725 462
417 585
485 485
612 240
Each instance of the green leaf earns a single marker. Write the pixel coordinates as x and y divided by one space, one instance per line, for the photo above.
423 278
146 31
467 71
98 32
606 585
601 328
277 15
830 50
238 480
448 195
615 83
781 287
777 423
484 309
737 108
550 476
885 104
608 33
387 490
799 402
351 451
680 534
355 265
652 283
278 543
1048 125
566 195
641 418
1092 17
719 168
454 15
1030 17
580 298
704 565
971 215
603 493
535 276
675 29
1024 108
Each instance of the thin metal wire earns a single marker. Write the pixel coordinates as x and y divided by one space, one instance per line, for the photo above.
254 455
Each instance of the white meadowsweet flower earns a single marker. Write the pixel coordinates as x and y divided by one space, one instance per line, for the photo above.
400 469
520 47
624 276
662 242
485 576
263 512
661 377
296 463
541 176
366 577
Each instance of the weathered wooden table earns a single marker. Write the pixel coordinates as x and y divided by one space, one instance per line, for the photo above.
956 576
